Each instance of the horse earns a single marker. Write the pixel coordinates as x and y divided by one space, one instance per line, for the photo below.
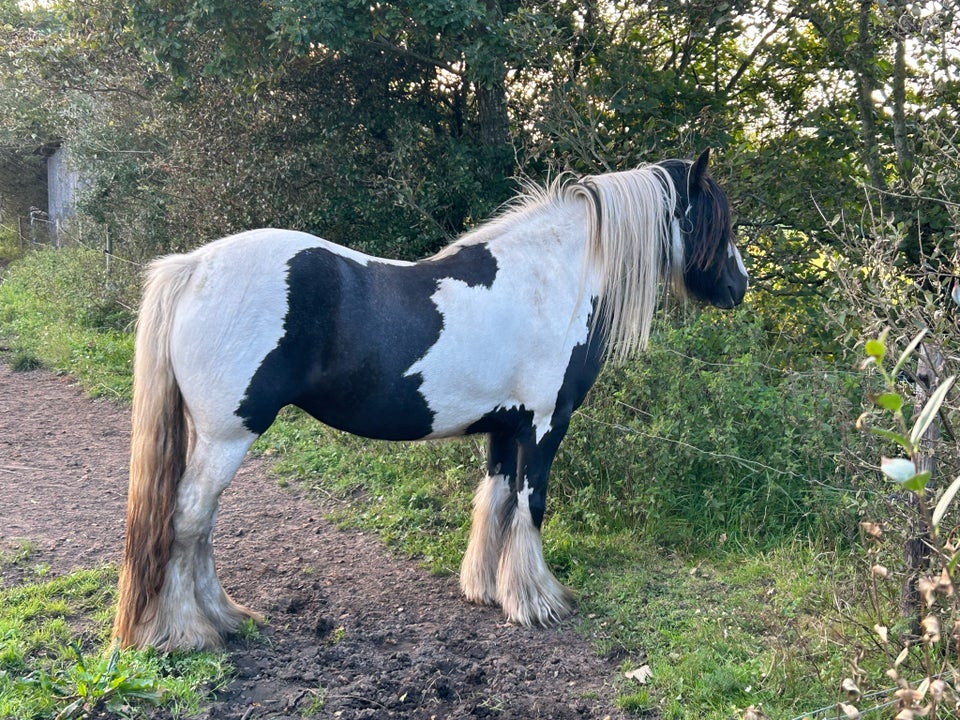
501 333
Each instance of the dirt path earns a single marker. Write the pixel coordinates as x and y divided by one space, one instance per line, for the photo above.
373 635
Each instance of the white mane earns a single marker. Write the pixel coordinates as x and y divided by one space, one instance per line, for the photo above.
632 244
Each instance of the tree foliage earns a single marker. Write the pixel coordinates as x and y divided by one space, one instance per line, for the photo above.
394 126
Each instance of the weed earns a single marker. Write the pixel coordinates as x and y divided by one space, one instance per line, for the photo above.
20 550
635 703
50 632
91 686
249 630
318 700
25 361
337 635
914 624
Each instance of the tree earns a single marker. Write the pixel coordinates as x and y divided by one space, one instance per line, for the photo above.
411 91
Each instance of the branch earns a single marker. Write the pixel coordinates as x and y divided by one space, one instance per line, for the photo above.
748 61
418 58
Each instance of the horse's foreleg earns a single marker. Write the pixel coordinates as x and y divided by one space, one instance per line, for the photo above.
527 591
193 611
478 571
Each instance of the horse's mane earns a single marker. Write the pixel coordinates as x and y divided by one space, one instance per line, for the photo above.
630 245
631 248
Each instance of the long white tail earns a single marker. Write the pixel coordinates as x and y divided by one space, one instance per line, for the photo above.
158 451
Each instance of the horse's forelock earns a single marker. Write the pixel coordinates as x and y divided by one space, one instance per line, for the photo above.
710 227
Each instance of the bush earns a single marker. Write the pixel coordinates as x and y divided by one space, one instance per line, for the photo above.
74 287
10 248
707 435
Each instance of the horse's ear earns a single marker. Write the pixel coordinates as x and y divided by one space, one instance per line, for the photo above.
699 170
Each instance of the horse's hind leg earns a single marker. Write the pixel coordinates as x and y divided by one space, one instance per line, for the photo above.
478 571
193 610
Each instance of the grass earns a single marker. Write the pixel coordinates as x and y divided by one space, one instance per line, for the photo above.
84 333
415 495
721 631
768 618
56 658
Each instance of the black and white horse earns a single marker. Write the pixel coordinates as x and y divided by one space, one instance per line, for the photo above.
503 332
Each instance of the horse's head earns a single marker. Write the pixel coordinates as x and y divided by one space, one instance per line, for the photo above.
713 270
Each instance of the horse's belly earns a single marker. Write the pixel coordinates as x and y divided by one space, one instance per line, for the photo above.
397 410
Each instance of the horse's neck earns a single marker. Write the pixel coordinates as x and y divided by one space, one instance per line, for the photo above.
550 244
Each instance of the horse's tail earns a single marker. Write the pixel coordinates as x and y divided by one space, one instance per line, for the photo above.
160 440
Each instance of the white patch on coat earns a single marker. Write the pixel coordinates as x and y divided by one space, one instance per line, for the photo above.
507 346
733 251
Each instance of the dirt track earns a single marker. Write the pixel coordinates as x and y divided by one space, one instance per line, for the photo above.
374 636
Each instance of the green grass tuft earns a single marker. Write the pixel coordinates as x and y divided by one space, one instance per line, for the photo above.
56 658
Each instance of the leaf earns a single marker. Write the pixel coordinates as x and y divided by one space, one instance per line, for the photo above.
850 688
918 482
640 674
903 471
899 439
71 711
889 401
875 349
944 502
930 410
881 630
850 711
902 656
905 355
898 469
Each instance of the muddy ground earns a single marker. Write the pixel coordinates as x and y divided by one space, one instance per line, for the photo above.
371 634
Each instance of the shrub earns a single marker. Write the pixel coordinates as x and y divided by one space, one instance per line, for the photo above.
74 287
10 248
707 434
905 634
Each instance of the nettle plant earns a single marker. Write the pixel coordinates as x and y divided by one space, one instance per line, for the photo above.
920 641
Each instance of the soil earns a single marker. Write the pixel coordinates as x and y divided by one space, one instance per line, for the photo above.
353 631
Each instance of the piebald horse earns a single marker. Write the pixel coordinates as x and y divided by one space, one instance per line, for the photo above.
502 333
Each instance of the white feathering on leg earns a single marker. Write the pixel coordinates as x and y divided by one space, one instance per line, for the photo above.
526 589
478 571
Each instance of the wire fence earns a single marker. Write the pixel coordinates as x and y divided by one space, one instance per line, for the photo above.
36 230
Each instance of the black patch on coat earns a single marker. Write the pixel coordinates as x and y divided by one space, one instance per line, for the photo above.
350 333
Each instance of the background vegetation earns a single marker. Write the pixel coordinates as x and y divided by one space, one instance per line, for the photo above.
709 498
